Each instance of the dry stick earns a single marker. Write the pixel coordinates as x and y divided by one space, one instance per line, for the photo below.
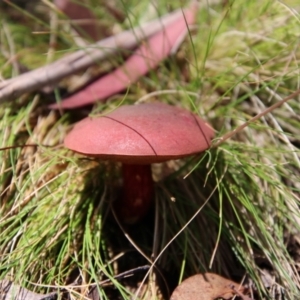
20 146
228 135
53 73
258 116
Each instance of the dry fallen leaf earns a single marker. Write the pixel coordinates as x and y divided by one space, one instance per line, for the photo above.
11 291
208 286
87 21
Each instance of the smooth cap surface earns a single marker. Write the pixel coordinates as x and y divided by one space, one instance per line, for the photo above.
141 134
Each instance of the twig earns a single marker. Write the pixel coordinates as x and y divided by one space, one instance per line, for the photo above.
258 116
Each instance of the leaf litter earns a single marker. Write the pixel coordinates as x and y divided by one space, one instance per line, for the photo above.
11 291
209 286
206 286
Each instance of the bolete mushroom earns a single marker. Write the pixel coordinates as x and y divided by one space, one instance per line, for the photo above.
137 136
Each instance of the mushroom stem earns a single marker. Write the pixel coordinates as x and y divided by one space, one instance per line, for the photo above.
138 192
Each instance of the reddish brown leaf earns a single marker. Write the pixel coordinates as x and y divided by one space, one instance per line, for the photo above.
145 58
77 11
208 286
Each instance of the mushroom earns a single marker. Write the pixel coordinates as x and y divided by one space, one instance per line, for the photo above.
137 136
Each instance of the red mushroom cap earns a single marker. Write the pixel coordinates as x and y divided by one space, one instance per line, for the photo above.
141 134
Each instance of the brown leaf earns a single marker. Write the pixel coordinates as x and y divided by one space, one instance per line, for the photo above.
11 291
80 12
207 286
